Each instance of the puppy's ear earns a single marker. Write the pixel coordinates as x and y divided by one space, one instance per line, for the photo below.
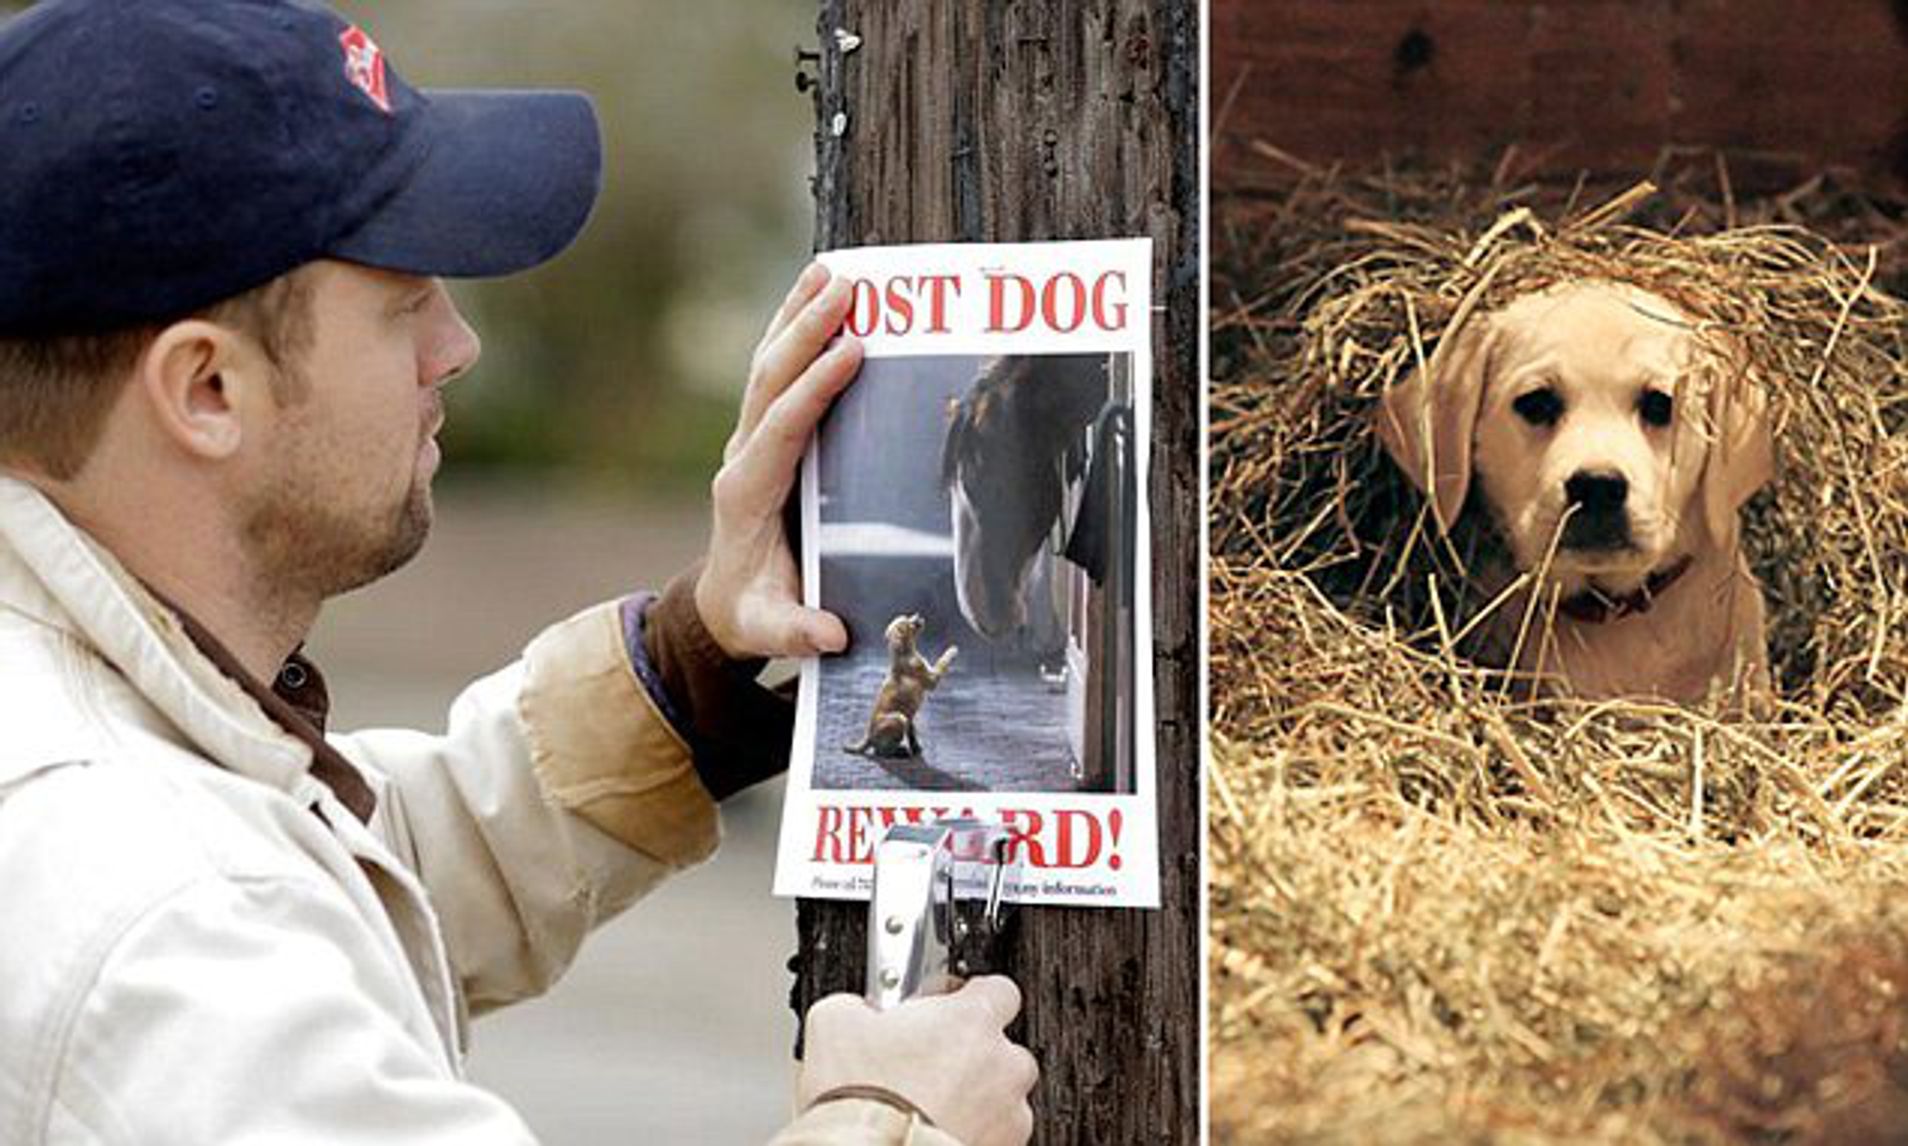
1426 423
1741 455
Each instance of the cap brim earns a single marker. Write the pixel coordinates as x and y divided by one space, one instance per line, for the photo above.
506 182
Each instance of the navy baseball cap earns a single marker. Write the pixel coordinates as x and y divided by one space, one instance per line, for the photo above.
158 156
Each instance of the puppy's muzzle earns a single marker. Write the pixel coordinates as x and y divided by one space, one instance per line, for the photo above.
1599 519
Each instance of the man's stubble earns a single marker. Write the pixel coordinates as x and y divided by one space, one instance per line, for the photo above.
307 543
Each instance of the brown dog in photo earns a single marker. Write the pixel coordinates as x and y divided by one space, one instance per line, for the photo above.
910 678
1613 444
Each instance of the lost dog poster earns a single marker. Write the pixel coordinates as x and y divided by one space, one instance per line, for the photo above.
974 511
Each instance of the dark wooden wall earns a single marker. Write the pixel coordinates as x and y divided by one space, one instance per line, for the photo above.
1002 121
1596 85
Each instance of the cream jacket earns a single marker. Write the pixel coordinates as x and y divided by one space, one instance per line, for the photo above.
188 954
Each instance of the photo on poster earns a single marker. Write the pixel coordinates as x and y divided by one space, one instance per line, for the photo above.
974 505
976 539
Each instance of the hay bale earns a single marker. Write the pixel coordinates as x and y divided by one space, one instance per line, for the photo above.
1443 912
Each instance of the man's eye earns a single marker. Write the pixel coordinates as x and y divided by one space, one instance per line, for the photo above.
1656 407
1539 407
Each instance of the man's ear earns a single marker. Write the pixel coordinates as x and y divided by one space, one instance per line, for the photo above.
1426 422
195 378
1741 456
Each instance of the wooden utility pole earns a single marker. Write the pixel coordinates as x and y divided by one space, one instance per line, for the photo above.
1002 121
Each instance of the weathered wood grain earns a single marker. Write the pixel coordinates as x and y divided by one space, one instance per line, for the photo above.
1596 85
1000 121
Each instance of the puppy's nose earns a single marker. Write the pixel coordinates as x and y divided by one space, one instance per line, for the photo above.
1595 491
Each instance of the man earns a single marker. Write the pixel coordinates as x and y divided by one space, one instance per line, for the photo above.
222 341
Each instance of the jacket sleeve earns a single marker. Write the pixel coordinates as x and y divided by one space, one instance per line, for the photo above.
252 1010
739 731
558 794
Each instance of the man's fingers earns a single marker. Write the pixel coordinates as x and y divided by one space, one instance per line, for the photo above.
1026 1068
777 443
810 632
835 1008
806 334
1020 1126
781 628
798 370
947 1054
781 358
785 356
777 627
998 994
823 631
805 287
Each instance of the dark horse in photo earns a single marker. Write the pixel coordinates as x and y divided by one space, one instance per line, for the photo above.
1005 462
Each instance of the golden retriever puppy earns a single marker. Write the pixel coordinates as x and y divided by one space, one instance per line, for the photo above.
1613 442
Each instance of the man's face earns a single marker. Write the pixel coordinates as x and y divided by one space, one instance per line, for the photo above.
345 491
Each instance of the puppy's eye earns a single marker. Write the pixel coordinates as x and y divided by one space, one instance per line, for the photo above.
1656 407
1539 407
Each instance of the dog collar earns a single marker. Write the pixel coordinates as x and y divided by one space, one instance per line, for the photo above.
1594 607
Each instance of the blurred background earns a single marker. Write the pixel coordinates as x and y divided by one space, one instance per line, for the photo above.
578 455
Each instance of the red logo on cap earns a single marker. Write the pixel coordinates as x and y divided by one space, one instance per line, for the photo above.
364 66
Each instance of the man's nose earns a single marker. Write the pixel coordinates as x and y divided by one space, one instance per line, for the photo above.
453 347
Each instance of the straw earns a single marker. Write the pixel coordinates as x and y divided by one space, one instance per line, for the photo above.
1444 910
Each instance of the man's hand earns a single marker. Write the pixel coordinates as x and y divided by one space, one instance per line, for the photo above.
749 592
947 1054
